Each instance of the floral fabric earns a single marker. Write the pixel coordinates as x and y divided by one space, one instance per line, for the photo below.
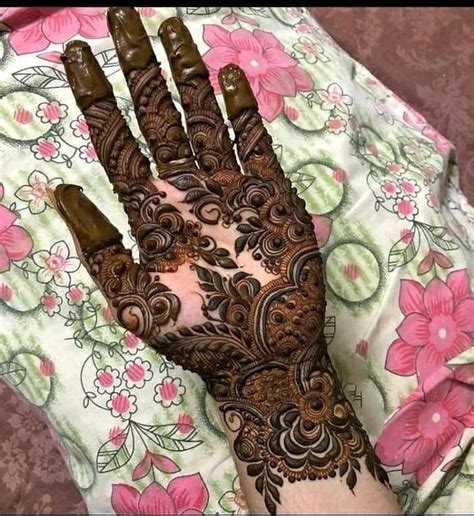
395 232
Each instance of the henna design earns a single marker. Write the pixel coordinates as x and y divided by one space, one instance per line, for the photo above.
260 346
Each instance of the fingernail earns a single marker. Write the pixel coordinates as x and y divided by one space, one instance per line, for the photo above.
183 55
235 87
90 226
132 44
84 74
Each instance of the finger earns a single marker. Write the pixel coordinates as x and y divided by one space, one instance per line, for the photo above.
205 126
140 303
158 118
254 144
115 145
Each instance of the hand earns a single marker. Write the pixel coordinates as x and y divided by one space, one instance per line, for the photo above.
229 283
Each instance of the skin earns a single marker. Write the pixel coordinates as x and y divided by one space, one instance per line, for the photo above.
229 283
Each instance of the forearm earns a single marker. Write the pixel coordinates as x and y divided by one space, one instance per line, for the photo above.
299 447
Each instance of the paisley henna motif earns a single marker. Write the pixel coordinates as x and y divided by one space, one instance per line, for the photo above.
259 344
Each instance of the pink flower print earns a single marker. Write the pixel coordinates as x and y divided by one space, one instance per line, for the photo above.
47 367
418 122
292 113
51 112
160 462
272 73
185 423
80 129
131 343
88 153
137 373
405 208
362 348
302 28
107 380
234 502
334 98
117 436
430 424
169 392
433 201
335 124
146 12
78 294
395 168
390 189
52 57
34 28
6 293
339 175
22 116
55 264
351 271
322 229
383 110
15 242
429 173
430 259
438 325
409 187
107 314
187 494
46 149
38 192
406 235
51 303
122 404
311 51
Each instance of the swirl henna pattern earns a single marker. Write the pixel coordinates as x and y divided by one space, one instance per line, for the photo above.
244 240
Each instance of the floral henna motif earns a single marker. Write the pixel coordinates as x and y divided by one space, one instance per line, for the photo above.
260 346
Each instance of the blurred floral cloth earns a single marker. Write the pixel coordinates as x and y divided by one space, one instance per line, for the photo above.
396 235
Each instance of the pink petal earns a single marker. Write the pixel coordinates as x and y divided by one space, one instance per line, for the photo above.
17 242
401 358
28 41
155 499
411 430
426 264
278 81
464 315
414 329
277 57
267 39
438 298
164 464
218 57
22 18
189 492
7 218
124 499
464 373
426 469
61 26
450 437
142 468
216 36
53 57
411 297
459 400
419 452
270 105
254 84
242 39
428 361
391 446
458 282
93 26
442 260
213 78
322 229
89 11
4 260
302 80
